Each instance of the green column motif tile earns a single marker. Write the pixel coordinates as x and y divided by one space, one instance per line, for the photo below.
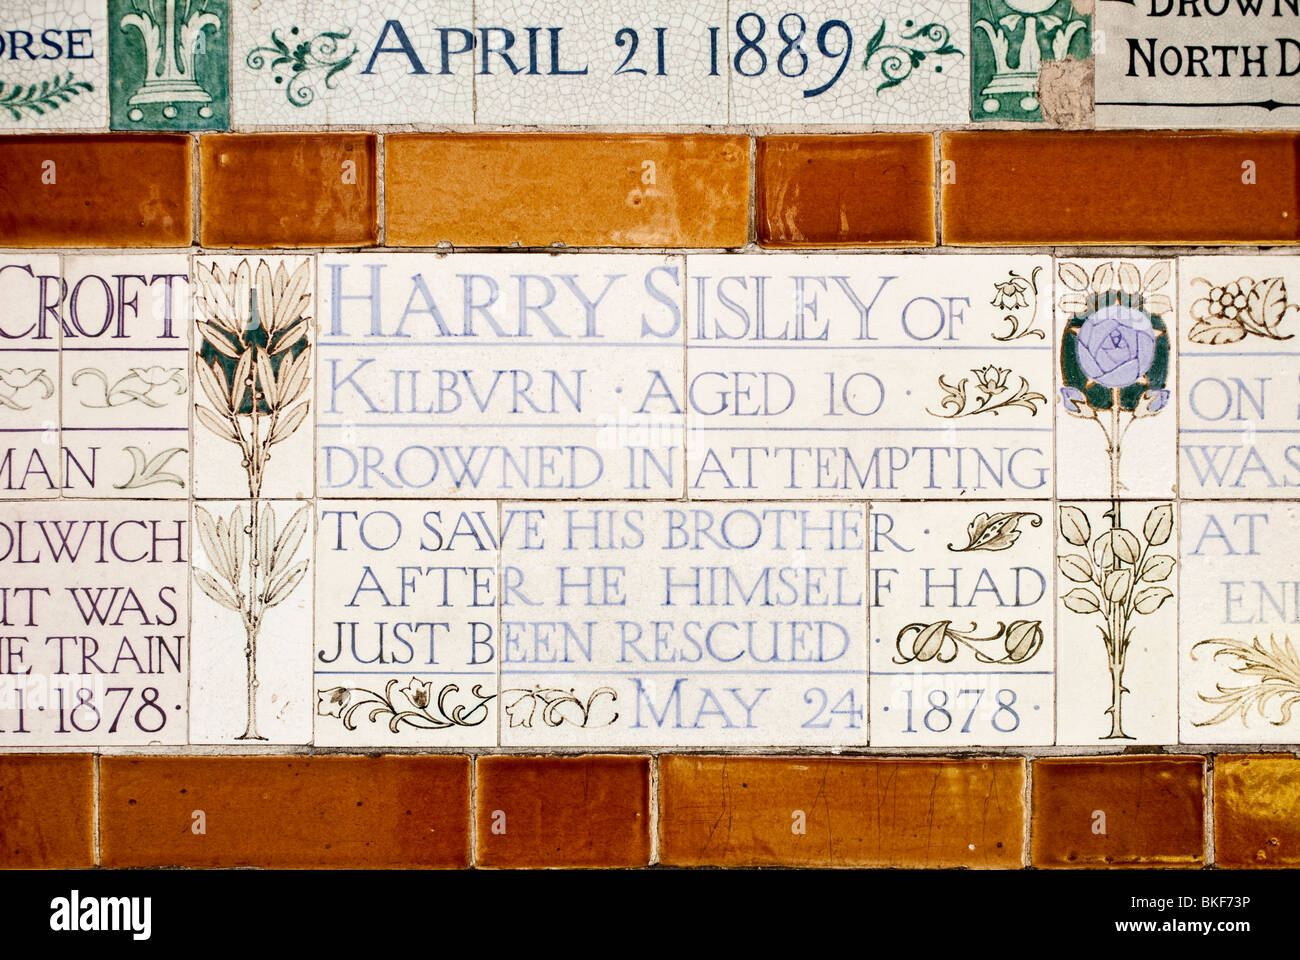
1010 39
168 64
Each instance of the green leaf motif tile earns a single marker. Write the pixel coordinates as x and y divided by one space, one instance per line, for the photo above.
168 64
1010 40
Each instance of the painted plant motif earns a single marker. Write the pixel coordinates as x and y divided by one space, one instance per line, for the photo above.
168 62
553 707
1245 307
1271 680
41 98
941 642
897 61
146 470
1011 39
137 386
253 364
991 392
1115 349
1014 296
16 382
996 531
417 705
1123 577
296 67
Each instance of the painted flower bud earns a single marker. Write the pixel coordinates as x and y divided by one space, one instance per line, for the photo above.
1023 639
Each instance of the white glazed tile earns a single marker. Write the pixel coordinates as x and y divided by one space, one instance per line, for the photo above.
30 457
360 63
962 613
1240 674
406 623
1237 326
626 624
500 374
95 615
861 376
54 65
126 376
642 62
1115 332
1137 569
237 581
1184 65
893 86
267 451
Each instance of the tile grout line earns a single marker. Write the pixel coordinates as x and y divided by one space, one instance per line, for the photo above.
1208 818
381 176
654 808
473 811
96 807
1027 854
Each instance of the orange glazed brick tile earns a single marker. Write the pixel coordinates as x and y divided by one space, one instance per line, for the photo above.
100 191
856 191
1121 187
1118 811
593 190
284 812
562 811
1257 811
288 190
774 811
47 811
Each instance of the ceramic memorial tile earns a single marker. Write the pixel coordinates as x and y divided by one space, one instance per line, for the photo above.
888 377
253 365
95 608
126 377
651 624
364 62
54 65
879 62
1240 675
1010 41
1237 426
1115 426
31 457
1176 63
1117 623
619 61
170 64
250 665
406 624
961 624
500 375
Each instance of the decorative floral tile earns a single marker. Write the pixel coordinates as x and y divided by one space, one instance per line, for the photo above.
54 66
878 62
250 673
886 377
1169 65
253 363
364 62
126 376
170 64
1115 426
1117 623
500 374
1239 671
1236 339
737 625
406 628
962 624
96 615
619 61
31 457
1010 41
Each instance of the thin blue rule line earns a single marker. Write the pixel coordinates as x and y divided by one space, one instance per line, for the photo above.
28 429
126 349
1239 430
523 425
29 349
688 671
931 674
463 342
